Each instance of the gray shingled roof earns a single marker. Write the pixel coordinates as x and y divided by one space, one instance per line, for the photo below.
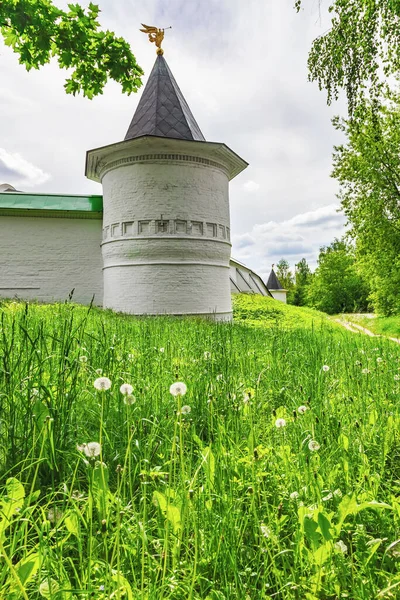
162 110
273 282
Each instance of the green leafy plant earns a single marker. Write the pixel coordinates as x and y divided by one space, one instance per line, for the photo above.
37 31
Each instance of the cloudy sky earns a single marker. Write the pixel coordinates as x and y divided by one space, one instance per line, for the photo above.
242 67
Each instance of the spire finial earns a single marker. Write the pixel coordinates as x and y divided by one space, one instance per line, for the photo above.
155 35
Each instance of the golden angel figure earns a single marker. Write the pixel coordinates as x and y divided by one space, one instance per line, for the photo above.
155 35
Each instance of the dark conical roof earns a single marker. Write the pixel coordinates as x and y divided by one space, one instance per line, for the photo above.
162 109
273 282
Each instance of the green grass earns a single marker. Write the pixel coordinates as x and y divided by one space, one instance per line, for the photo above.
388 326
214 504
266 312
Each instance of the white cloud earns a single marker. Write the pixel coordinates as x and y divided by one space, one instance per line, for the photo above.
251 186
295 238
17 171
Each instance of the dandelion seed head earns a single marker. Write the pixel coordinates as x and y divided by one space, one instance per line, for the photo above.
294 495
379 359
126 389
326 368
220 377
49 588
265 531
178 388
83 359
280 423
99 371
313 446
54 515
365 371
129 399
302 409
90 450
340 546
207 355
162 350
185 410
102 384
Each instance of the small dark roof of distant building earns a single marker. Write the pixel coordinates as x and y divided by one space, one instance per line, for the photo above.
162 110
273 282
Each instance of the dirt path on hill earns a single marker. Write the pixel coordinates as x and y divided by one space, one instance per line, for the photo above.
355 328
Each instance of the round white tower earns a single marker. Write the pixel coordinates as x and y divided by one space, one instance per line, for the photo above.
166 225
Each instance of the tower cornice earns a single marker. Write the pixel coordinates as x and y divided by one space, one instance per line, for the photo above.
154 149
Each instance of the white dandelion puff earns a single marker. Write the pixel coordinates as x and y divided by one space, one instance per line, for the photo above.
220 377
162 350
91 449
129 400
102 384
207 355
365 371
49 588
313 446
99 371
265 531
178 389
341 547
185 410
302 409
280 423
83 359
126 389
326 368
294 495
379 359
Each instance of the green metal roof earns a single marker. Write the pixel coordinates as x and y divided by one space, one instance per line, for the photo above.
62 202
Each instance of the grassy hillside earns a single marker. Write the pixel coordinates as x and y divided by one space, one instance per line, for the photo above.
267 312
275 476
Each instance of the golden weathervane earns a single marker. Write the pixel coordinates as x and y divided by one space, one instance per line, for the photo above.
155 35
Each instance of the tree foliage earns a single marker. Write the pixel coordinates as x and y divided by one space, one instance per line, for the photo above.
284 274
359 51
303 277
368 170
336 285
37 31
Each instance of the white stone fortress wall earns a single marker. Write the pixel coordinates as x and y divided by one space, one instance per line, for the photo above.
45 258
166 235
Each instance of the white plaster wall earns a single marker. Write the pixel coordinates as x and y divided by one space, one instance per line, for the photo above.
176 190
279 295
45 258
179 289
172 273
